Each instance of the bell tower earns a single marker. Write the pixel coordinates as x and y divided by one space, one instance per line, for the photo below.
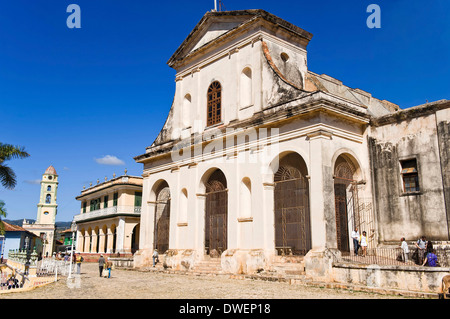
44 227
47 207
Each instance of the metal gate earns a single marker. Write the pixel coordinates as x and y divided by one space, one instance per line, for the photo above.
343 202
216 215
340 201
292 218
352 208
162 220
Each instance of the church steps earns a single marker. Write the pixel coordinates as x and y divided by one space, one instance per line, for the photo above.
208 266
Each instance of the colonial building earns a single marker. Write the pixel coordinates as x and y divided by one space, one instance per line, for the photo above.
109 217
44 226
17 238
260 157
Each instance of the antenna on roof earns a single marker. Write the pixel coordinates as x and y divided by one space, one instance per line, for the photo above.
220 6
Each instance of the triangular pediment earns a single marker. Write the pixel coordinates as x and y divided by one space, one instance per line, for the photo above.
215 25
213 30
212 26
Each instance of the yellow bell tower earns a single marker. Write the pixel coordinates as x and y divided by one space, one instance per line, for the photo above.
44 226
47 207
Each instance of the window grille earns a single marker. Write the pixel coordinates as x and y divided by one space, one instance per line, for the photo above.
214 107
410 176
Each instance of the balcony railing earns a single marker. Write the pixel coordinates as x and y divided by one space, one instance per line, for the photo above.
109 211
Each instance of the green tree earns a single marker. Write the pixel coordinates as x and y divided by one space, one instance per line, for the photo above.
7 175
7 152
2 213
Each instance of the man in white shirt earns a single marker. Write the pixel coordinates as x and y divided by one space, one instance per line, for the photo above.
405 248
355 237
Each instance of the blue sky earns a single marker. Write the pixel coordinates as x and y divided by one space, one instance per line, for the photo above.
71 96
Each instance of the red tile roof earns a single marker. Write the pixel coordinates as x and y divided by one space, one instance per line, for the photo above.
9 227
50 170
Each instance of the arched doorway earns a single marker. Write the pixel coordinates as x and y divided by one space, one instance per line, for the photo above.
114 238
162 218
216 213
135 239
97 235
105 235
291 201
345 201
90 240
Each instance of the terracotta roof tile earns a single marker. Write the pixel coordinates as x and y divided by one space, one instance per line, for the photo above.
50 170
9 227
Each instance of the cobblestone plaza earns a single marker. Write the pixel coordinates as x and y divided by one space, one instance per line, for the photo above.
130 284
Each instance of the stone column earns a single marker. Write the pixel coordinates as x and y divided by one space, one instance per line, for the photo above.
101 242
148 238
318 261
120 235
268 217
200 225
94 243
128 235
110 242
79 241
143 257
87 241
317 141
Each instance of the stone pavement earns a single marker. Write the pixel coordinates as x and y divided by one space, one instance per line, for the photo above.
132 284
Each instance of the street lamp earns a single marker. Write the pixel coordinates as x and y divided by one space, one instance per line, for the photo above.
44 244
73 228
27 255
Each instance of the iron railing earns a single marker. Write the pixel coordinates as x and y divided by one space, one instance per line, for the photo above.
46 270
393 257
105 212
51 267
10 281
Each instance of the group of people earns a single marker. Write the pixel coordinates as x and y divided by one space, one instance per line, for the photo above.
424 254
359 241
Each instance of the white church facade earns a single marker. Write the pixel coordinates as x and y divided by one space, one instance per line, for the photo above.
260 157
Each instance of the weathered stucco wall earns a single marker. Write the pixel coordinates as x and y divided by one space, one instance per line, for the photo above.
424 279
416 213
443 131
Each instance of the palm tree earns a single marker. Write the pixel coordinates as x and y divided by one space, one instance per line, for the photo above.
2 213
7 152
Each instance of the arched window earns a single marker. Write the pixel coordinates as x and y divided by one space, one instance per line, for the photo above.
48 199
49 188
186 113
246 87
183 206
214 108
245 197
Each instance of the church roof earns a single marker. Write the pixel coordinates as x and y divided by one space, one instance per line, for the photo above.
50 170
241 17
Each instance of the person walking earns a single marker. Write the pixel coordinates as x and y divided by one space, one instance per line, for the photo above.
109 267
155 257
405 249
355 237
79 260
101 264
